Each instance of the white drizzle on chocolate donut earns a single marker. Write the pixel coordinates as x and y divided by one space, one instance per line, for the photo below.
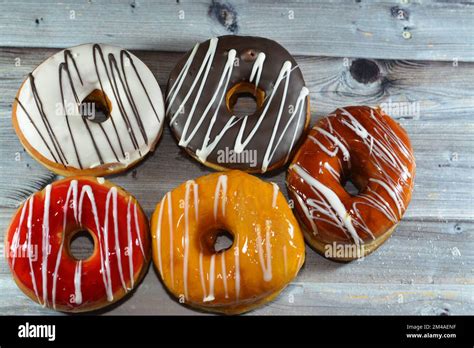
49 108
185 106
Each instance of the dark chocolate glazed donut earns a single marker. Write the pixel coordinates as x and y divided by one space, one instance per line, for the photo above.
204 86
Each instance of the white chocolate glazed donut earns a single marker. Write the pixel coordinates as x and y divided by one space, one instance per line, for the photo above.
49 107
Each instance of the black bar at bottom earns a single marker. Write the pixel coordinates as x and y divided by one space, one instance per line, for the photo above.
208 330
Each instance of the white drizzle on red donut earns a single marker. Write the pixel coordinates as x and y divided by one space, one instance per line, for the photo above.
77 283
45 244
241 143
74 200
383 145
73 189
49 107
30 260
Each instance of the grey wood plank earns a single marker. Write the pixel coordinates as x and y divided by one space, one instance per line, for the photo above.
297 299
428 30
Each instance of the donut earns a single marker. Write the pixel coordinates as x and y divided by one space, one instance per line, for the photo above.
92 109
39 236
207 82
266 253
365 146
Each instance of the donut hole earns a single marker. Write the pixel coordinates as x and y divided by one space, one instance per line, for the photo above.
352 187
224 241
81 245
217 240
244 99
96 107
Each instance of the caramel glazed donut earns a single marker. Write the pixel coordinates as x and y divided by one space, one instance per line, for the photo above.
89 110
204 87
38 241
367 147
267 251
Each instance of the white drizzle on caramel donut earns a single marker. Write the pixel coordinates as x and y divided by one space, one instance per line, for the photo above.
386 152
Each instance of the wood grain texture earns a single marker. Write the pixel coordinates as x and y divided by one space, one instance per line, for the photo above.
426 267
437 30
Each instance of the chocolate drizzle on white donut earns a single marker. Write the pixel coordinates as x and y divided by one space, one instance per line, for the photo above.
198 113
63 135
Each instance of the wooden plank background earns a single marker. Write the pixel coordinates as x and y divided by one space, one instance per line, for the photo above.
426 267
437 30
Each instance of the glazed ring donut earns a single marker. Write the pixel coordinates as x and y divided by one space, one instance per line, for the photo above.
38 241
204 87
267 251
367 147
92 109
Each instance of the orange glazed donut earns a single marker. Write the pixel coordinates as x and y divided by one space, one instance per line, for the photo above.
267 252
38 241
367 147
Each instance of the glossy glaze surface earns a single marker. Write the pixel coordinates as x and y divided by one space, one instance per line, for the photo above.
367 147
203 123
58 121
38 248
267 250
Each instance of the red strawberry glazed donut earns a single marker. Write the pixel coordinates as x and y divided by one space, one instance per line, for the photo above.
367 147
39 236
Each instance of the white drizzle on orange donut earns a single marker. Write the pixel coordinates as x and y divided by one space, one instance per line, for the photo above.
189 184
265 261
276 189
213 279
